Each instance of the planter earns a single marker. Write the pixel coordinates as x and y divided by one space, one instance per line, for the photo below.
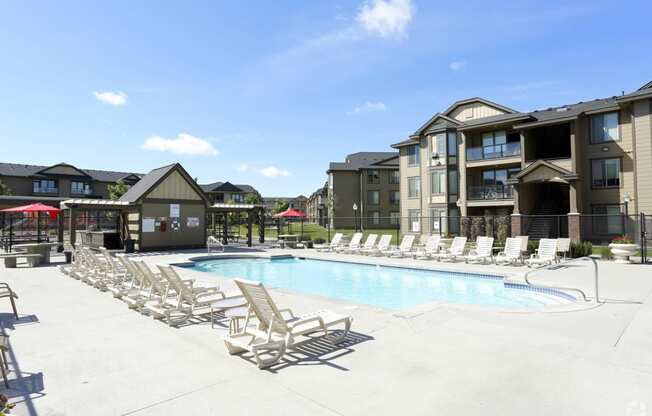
621 252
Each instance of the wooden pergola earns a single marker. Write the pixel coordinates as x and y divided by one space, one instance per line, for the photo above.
254 212
74 206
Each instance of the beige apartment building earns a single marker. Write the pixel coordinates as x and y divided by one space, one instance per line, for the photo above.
226 192
364 191
317 207
568 170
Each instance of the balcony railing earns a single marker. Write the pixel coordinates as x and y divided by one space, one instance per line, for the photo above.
44 190
491 192
494 152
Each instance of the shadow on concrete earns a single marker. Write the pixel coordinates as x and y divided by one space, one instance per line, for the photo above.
316 350
7 320
24 386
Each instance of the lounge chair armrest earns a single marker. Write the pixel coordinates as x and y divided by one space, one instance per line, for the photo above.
288 310
308 320
188 282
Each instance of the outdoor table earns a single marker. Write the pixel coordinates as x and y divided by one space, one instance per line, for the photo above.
288 238
38 248
236 316
227 305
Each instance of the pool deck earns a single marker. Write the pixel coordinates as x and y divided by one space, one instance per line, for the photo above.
78 351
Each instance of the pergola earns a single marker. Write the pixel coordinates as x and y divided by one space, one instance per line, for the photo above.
253 211
74 206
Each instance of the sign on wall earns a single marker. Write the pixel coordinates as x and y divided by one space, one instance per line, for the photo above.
192 222
149 225
175 210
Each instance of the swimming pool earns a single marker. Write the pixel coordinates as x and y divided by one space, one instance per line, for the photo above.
386 287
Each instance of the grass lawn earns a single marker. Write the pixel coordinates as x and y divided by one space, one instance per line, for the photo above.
314 231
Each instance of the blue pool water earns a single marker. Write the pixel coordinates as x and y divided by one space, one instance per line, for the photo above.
386 287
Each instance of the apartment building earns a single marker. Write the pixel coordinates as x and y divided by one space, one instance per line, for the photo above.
52 184
481 158
317 207
364 191
299 203
226 192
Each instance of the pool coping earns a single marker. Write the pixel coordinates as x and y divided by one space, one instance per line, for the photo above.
573 303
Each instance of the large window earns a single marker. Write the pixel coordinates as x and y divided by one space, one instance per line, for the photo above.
413 154
373 177
607 219
414 187
452 182
374 218
604 127
414 220
452 144
394 177
373 197
45 186
395 197
438 219
438 182
498 176
439 145
239 198
80 188
605 173
394 218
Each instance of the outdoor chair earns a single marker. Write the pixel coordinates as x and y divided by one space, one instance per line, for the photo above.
6 292
563 248
214 243
430 248
483 251
353 244
454 251
511 254
334 244
382 246
274 333
403 249
546 253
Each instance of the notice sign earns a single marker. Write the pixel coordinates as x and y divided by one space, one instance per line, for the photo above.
175 210
192 222
148 225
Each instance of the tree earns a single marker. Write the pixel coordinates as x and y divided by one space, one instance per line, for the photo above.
254 199
117 190
4 189
280 206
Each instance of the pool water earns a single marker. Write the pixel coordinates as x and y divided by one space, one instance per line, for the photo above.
386 287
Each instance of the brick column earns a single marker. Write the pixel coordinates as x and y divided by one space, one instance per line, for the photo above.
574 226
516 224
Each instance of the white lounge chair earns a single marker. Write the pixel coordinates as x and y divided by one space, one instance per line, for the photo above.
454 251
563 247
213 243
274 333
524 243
430 248
546 253
334 244
369 243
403 249
482 251
511 254
383 244
353 244
152 290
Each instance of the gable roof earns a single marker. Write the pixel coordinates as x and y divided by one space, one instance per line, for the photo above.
28 171
478 100
45 170
565 174
156 176
218 187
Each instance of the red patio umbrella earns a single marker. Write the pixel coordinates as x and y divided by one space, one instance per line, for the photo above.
290 213
52 211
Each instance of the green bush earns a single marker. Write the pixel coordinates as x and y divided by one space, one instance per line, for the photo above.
305 238
581 249
532 246
503 228
465 227
477 227
490 226
605 253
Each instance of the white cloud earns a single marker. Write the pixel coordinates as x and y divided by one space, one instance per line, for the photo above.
183 144
273 172
457 65
243 167
368 107
116 98
386 18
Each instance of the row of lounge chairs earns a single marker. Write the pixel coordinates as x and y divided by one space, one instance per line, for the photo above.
267 332
431 249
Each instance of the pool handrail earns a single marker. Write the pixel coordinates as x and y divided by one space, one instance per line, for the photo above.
556 265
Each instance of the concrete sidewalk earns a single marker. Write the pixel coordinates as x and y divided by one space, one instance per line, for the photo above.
78 351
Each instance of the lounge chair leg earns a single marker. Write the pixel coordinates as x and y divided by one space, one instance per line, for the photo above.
4 372
13 306
232 349
345 332
276 350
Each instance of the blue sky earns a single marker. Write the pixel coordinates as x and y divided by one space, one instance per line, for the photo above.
267 93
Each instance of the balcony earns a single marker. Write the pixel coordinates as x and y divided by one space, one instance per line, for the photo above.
497 151
490 192
45 190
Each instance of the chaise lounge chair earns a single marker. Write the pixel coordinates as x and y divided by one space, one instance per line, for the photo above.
454 251
353 244
546 253
334 244
402 250
368 245
383 245
214 243
430 248
511 254
482 252
274 333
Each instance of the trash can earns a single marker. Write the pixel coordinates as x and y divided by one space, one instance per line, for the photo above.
129 246
68 255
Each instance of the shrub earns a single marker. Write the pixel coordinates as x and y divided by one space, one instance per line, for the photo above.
305 238
605 253
490 226
503 228
465 227
581 249
623 239
319 240
477 227
532 246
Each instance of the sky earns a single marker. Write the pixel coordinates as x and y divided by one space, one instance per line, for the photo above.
268 93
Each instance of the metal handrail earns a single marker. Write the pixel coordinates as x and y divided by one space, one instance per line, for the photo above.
551 266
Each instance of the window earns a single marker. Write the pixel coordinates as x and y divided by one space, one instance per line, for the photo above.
414 187
452 144
373 197
607 219
45 186
395 197
604 128
219 197
605 173
438 182
80 188
438 219
413 154
439 145
373 177
452 182
394 177
394 218
374 218
239 198
414 220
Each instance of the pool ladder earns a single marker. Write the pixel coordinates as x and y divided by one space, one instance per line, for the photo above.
572 289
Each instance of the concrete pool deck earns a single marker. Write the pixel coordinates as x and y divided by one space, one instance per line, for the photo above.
78 351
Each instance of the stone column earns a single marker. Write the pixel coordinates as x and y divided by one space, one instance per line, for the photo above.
461 163
516 224
574 229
